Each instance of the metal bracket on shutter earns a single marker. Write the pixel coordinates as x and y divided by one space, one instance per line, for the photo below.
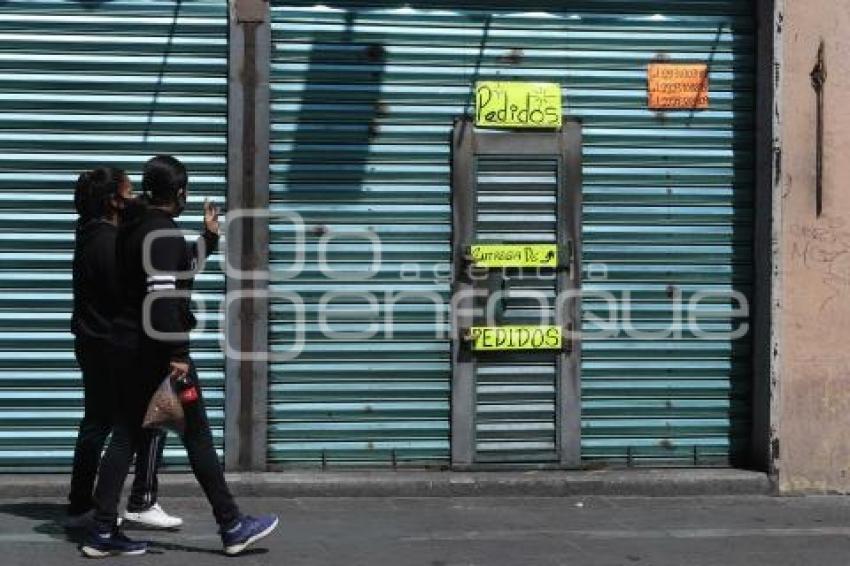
467 255
467 270
466 339
818 81
566 255
567 340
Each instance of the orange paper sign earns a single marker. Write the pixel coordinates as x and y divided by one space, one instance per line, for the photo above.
681 87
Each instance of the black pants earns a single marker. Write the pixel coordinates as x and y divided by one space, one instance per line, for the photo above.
143 373
99 391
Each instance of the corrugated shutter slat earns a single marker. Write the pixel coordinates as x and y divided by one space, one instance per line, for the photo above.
363 98
84 84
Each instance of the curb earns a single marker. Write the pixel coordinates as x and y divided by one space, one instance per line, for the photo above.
624 483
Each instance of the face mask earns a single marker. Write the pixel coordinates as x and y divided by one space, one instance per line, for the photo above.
122 202
118 204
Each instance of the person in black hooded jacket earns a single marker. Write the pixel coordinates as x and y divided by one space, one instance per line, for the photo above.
100 196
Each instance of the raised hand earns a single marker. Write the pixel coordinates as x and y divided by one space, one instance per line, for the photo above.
211 217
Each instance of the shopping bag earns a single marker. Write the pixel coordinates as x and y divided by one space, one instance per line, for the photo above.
165 409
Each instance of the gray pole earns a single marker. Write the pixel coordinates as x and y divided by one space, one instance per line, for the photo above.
246 319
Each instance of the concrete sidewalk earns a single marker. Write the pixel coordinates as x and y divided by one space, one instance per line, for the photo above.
480 531
631 482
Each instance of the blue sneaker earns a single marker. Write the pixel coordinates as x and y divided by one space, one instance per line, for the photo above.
246 531
100 544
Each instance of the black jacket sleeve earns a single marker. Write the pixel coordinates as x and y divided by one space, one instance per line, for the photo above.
167 309
209 246
104 267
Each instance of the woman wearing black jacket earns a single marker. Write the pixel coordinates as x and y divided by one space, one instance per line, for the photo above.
99 197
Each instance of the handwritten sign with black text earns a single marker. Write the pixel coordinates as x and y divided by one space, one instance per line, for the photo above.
517 105
677 87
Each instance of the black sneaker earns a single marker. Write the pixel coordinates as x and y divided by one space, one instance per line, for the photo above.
100 544
246 531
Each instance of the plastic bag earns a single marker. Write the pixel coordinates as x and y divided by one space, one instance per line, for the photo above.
165 409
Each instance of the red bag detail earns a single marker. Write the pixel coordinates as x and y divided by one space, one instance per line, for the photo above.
189 395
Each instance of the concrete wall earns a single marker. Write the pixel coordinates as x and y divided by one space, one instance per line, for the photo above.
812 304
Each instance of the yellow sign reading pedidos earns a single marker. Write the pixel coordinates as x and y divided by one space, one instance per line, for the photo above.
514 255
517 105
500 338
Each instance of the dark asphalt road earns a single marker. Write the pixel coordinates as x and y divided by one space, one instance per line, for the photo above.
591 531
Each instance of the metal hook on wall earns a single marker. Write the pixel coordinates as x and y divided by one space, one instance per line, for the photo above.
818 76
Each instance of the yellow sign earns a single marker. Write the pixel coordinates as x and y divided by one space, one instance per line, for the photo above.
500 338
517 105
677 87
514 255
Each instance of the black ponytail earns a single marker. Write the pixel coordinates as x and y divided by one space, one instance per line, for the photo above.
94 189
82 196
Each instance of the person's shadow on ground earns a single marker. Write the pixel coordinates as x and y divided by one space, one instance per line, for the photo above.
52 514
158 547
39 511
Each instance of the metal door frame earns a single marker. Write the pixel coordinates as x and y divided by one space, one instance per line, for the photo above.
565 145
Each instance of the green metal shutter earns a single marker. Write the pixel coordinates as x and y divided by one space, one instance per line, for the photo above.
363 98
83 84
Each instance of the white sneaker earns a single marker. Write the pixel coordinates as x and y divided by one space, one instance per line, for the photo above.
153 517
